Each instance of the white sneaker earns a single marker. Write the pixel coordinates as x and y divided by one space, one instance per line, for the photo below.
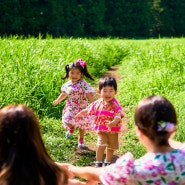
81 146
68 135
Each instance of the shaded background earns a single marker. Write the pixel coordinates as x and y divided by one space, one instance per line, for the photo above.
93 18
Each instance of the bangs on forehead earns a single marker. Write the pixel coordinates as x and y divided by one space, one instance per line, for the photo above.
75 65
107 81
75 68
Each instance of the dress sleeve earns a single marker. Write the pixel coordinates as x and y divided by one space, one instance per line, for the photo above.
66 89
118 109
88 88
120 113
119 173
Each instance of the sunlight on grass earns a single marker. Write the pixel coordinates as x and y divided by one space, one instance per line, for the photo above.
156 67
31 71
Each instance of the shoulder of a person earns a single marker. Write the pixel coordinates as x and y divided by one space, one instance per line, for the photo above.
98 101
83 81
67 83
126 157
115 101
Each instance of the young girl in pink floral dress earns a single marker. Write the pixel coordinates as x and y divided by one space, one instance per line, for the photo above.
79 92
156 122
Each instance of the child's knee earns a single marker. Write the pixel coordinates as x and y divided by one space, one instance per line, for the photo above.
68 126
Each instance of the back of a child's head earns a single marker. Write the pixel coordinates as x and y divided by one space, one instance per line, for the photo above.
107 81
80 65
156 117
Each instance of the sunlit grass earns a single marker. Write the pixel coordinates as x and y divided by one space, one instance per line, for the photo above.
156 67
31 70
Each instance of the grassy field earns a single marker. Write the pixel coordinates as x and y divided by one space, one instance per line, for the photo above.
153 67
31 69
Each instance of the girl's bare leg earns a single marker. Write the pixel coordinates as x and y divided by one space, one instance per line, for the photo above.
81 133
70 129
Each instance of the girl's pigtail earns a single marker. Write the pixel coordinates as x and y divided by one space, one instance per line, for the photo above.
67 72
86 73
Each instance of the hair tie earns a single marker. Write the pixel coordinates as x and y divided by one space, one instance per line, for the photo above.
82 63
165 126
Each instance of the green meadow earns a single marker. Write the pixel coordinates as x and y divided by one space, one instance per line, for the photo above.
31 71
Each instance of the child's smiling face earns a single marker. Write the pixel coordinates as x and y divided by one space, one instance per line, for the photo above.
107 93
75 74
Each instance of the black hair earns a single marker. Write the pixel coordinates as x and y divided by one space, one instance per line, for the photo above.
150 112
77 65
107 81
24 158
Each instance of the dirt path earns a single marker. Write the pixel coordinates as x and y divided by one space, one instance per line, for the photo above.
91 147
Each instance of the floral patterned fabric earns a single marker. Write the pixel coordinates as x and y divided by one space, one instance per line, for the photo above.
152 169
76 101
102 111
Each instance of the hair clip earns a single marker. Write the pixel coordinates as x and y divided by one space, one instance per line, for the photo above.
82 63
165 126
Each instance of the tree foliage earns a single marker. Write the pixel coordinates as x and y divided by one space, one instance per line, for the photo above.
93 18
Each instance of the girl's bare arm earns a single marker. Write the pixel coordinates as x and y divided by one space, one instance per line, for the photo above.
59 99
77 182
72 173
88 173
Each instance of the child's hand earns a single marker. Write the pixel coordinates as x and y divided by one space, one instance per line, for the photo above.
55 102
66 166
109 124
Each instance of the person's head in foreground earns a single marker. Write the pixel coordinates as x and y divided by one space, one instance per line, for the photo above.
23 156
155 121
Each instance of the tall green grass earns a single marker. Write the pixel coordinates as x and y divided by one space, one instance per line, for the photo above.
154 67
31 69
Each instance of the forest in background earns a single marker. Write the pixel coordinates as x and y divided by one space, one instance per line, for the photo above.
93 18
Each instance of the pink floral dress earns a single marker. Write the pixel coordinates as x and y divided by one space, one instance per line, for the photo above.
76 101
152 169
102 111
